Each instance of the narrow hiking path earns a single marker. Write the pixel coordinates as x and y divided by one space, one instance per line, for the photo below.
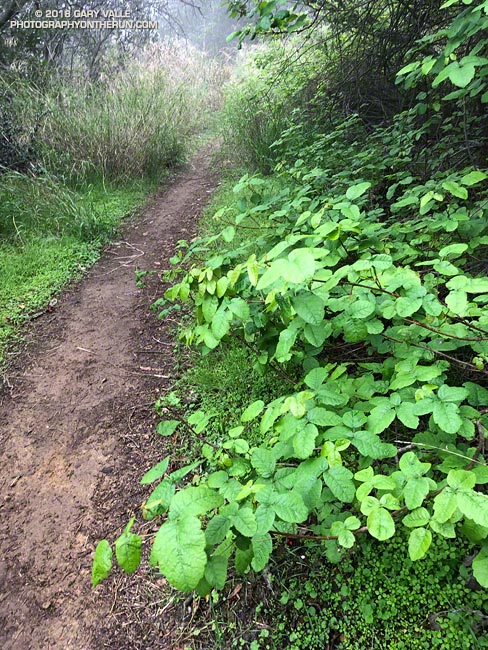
84 385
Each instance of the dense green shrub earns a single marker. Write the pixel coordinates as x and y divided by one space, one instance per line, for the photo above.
368 273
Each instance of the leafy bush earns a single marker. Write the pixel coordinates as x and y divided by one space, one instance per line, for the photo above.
368 274
273 86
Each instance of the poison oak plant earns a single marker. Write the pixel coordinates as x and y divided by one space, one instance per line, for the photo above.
368 273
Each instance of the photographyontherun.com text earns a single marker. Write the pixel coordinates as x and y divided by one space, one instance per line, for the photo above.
82 19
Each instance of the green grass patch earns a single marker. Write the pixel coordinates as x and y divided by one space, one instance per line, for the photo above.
50 235
221 384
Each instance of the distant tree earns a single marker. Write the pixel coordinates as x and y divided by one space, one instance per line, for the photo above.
70 48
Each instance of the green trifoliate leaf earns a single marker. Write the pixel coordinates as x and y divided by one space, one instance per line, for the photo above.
346 538
405 413
411 466
370 445
418 543
179 552
240 308
265 517
415 491
354 419
456 190
323 418
243 558
474 532
457 301
274 273
453 250
285 343
216 571
316 335
209 307
304 441
180 473
473 505
355 191
102 563
380 524
316 377
339 480
416 518
331 395
195 501
352 523
481 474
128 549
301 265
446 416
461 479
168 427
245 522
381 417
309 307
252 411
222 286
480 567
155 472
355 331
473 178
263 461
407 306
228 233
446 529
445 505
364 475
362 309
452 393
262 547
381 482
159 500
221 323
290 507
217 529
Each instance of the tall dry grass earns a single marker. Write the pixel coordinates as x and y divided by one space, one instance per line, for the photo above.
130 124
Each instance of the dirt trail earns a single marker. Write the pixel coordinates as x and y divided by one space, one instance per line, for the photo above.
63 421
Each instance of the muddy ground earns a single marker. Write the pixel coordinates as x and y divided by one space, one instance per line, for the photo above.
77 432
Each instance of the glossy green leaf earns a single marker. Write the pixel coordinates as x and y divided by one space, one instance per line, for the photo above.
102 563
179 552
419 542
128 548
339 480
380 524
155 472
480 567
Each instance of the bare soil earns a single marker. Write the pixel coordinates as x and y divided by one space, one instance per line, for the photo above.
77 433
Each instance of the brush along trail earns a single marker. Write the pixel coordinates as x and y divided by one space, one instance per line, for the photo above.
77 430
